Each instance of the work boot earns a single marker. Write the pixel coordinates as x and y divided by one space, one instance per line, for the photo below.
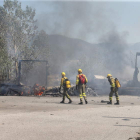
62 102
81 102
86 102
70 101
110 102
117 103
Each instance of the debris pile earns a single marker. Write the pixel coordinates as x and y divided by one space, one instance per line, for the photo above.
54 91
13 90
37 90
91 92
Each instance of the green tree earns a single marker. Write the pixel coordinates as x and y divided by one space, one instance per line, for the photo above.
5 63
21 30
40 46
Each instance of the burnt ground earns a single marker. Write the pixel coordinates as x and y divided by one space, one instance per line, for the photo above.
34 118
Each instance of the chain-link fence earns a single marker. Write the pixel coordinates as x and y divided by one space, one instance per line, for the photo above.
33 71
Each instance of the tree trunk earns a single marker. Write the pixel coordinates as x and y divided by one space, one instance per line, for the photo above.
16 56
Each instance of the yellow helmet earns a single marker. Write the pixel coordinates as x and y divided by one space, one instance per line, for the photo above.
79 71
63 73
109 75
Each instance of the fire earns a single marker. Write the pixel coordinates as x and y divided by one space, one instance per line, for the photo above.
38 90
29 92
21 93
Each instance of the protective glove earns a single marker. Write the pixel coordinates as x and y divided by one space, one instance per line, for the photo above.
76 87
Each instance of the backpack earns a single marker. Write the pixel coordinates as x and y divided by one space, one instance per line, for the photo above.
117 83
67 83
82 79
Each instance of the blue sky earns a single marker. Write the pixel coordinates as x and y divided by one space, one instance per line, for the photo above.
125 16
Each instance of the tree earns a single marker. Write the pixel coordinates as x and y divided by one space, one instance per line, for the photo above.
21 29
5 63
40 46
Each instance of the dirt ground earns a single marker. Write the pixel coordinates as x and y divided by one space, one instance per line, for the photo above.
44 118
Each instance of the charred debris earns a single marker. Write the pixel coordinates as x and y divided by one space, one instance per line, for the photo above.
16 87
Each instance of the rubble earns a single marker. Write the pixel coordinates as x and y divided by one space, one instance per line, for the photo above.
54 91
13 89
90 91
102 101
22 90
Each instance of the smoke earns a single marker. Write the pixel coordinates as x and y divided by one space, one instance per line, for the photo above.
88 21
114 50
83 20
33 72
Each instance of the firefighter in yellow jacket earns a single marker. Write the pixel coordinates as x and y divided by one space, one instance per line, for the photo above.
113 89
81 81
65 89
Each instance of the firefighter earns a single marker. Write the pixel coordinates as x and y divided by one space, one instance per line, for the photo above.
81 81
113 89
65 89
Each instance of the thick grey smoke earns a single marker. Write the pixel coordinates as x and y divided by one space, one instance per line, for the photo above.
113 47
85 21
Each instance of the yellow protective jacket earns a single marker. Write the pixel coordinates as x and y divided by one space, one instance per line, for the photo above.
62 81
77 79
111 81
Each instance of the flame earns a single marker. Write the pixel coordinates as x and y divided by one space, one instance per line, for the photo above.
29 92
38 90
